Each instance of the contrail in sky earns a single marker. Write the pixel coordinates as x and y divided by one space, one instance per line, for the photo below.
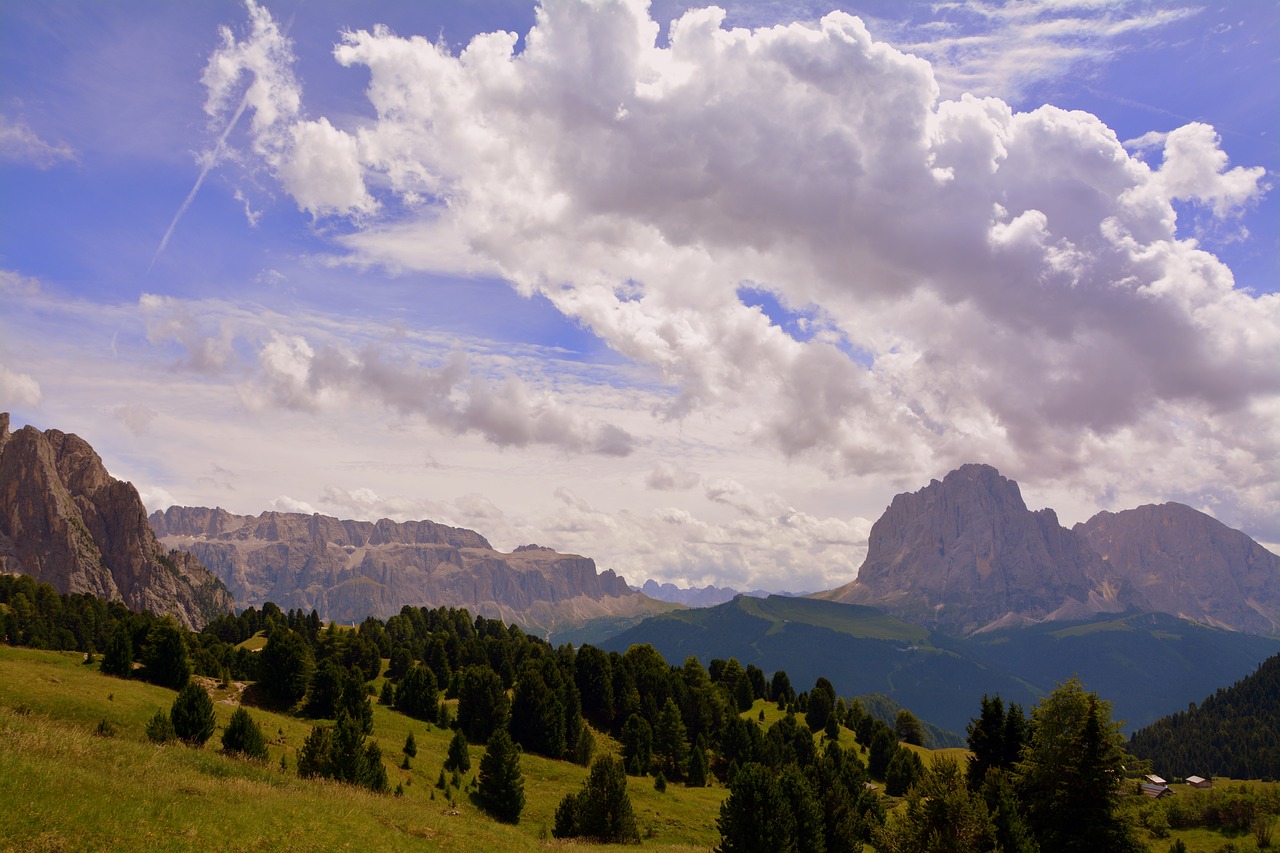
209 163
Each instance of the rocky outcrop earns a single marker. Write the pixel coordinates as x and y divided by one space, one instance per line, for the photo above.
347 570
966 555
1184 562
67 522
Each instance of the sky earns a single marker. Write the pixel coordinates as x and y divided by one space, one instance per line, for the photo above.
691 291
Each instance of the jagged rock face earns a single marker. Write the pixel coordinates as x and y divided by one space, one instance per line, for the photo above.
347 570
966 553
65 521
1191 565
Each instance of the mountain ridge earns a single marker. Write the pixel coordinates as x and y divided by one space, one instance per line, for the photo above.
66 521
965 554
348 569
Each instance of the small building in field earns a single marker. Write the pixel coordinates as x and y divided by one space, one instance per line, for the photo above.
1154 779
1155 791
1198 782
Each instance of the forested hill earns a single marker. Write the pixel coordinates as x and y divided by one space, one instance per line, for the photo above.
1235 732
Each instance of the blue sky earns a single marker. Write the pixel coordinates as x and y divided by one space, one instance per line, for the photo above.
694 299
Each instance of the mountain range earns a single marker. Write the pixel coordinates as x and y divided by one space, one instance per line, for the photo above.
966 555
347 570
707 596
65 521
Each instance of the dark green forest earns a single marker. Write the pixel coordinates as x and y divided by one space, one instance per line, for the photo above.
1235 732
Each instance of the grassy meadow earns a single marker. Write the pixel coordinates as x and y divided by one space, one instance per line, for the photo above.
66 788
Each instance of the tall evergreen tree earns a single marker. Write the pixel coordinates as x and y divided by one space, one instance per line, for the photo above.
941 814
501 791
637 745
483 705
756 816
458 758
165 659
537 715
118 657
285 665
1070 774
418 695
594 679
602 810
670 744
698 767
192 715
907 728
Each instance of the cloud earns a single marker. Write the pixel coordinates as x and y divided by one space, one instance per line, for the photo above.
296 375
1002 49
20 144
667 477
999 285
137 418
284 503
18 389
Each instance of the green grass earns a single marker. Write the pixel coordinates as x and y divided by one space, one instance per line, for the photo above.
66 789
255 643
851 620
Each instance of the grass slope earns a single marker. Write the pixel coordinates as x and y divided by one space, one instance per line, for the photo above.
66 789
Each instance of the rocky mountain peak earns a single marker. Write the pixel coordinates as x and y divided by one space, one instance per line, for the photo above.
66 521
966 554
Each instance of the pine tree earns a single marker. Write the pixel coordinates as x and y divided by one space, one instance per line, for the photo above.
602 810
166 660
243 736
670 743
192 715
907 728
697 776
904 769
537 715
941 813
637 745
501 791
118 658
1071 771
483 706
756 815
418 695
458 758
285 665
410 747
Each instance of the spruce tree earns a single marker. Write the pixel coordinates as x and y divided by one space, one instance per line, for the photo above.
243 736
410 747
907 728
501 791
192 715
904 769
483 706
756 815
166 660
670 746
458 758
697 775
418 695
118 658
637 745
285 665
602 810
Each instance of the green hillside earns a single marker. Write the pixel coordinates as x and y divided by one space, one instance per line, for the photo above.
66 788
1233 732
1150 664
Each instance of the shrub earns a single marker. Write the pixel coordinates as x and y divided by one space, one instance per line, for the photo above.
244 737
160 729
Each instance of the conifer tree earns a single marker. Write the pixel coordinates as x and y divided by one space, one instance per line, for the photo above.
602 810
458 758
697 776
483 706
418 695
410 747
192 715
670 744
637 745
756 815
501 791
166 660
243 736
118 658
285 665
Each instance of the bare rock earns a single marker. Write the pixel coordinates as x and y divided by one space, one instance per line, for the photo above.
67 522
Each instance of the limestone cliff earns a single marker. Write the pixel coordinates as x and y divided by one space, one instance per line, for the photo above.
347 570
966 553
65 521
1191 565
